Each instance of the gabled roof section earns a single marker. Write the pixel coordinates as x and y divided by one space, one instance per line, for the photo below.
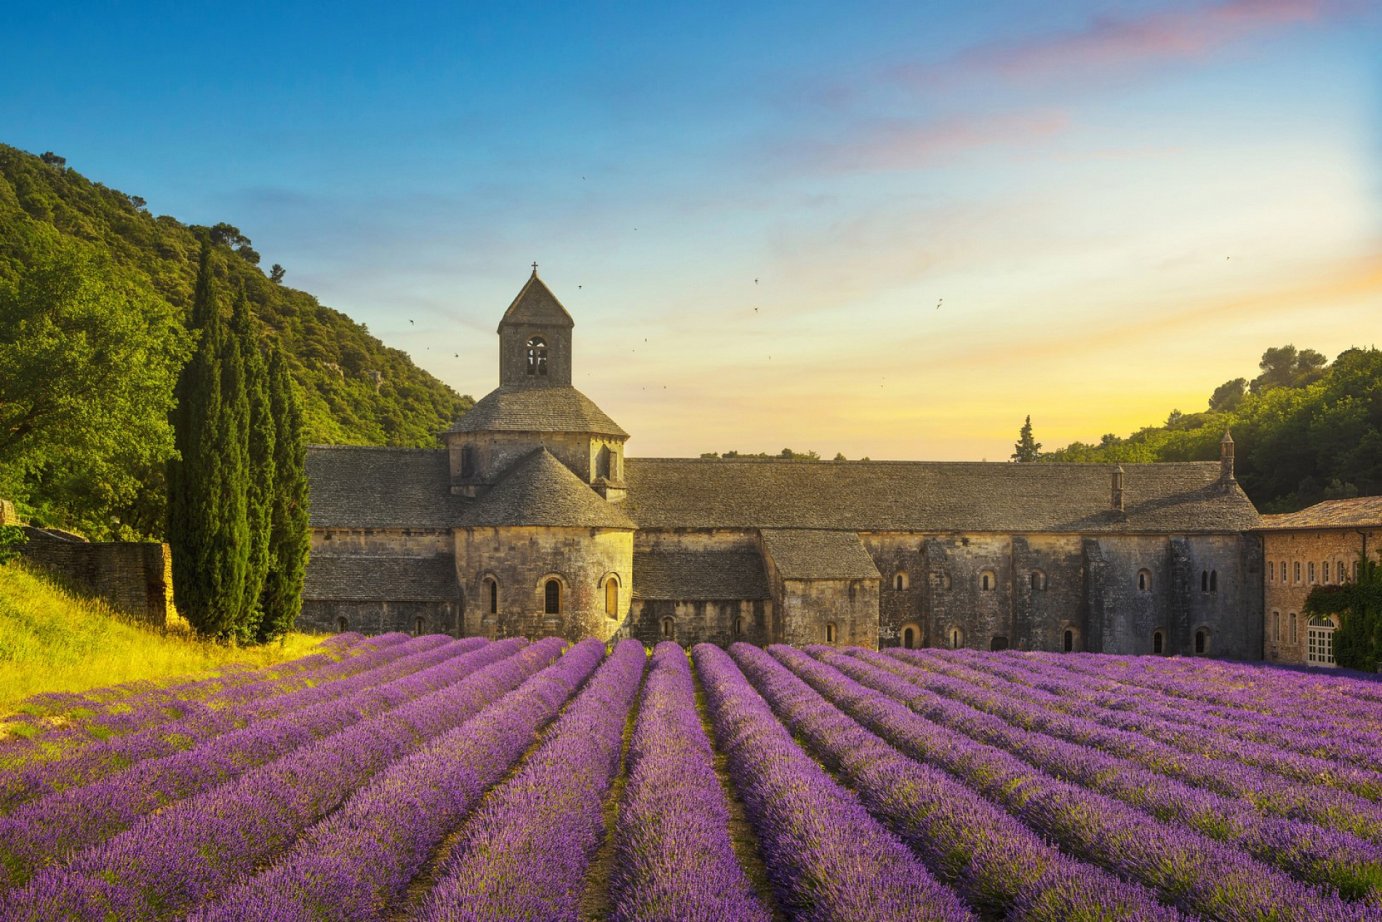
1360 512
359 487
932 496
715 574
536 306
812 554
540 490
544 409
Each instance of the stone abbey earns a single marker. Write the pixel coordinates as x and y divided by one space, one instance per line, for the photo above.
531 521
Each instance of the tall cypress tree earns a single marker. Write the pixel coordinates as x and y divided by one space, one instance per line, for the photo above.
281 600
234 444
260 460
206 507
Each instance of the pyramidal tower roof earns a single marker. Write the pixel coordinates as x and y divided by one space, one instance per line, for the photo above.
540 490
536 305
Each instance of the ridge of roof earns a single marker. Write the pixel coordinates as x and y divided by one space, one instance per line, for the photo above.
559 408
535 304
539 490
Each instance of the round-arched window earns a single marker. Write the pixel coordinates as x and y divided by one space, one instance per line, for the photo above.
537 356
552 597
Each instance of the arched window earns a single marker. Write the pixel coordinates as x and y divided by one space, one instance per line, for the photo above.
738 625
1271 571
669 629
1158 642
909 638
999 642
1276 626
1201 642
1339 571
831 634
1319 641
419 625
342 625
467 462
987 580
1295 569
552 597
1311 566
537 356
900 580
1204 580
492 595
956 638
1324 571
1068 641
1282 568
1292 618
1213 580
1144 580
612 597
1038 580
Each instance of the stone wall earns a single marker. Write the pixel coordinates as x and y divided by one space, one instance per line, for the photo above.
134 577
520 560
379 617
1294 565
382 542
721 622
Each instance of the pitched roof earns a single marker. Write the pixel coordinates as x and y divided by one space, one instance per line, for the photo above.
358 487
811 554
540 490
934 496
537 409
536 304
1360 512
367 579
713 574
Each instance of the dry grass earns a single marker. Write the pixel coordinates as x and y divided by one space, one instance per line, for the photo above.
54 641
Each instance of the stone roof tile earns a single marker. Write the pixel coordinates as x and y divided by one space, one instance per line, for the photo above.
359 487
540 490
713 574
1359 512
537 409
368 579
535 304
811 554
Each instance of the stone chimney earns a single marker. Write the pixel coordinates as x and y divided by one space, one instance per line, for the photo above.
1226 479
1118 488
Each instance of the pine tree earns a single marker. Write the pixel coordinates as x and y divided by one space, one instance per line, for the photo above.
1026 448
206 508
289 542
260 459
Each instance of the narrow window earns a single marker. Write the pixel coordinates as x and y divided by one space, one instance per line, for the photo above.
612 597
492 595
1204 580
1312 571
738 625
1201 642
955 638
537 356
1271 571
552 593
342 625
909 638
467 462
1213 580
1283 571
1295 569
830 632
1069 641
1158 642
986 580
1038 580
1276 626
1144 580
419 625
1324 571
999 642
1292 618
1339 571
669 629
900 580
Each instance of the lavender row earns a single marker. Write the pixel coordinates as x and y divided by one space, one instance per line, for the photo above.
80 817
182 856
524 854
333 872
1351 865
99 760
1109 694
162 706
674 860
1329 807
827 857
998 865
1187 869
1284 692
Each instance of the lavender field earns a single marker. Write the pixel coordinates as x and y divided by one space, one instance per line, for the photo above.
432 778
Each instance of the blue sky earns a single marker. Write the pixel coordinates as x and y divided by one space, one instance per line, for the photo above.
885 229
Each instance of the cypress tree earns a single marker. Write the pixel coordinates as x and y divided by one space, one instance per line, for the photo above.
233 440
289 541
260 460
206 517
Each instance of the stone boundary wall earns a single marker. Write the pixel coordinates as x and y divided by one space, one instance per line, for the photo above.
134 577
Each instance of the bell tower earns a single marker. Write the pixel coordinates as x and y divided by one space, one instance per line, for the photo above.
535 339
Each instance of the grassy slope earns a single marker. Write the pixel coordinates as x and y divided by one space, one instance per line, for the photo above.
52 641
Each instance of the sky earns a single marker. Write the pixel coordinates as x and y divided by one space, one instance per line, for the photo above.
884 229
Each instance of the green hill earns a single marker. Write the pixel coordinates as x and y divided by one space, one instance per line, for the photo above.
53 641
355 389
1304 429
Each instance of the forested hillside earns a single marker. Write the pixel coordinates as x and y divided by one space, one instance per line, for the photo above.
1305 430
355 390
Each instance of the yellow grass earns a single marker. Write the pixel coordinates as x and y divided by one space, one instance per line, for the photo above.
51 640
